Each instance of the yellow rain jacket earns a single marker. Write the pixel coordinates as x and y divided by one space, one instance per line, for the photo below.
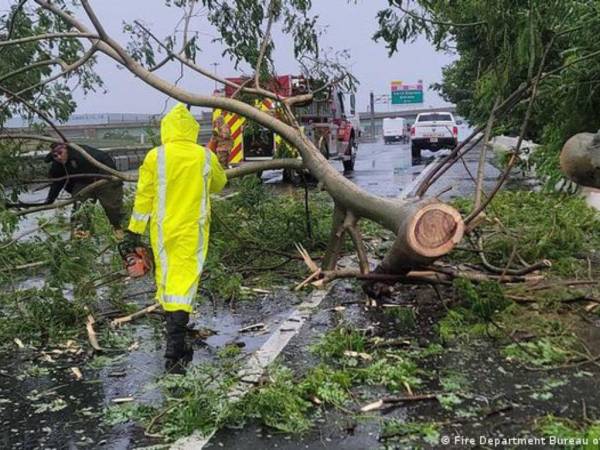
173 190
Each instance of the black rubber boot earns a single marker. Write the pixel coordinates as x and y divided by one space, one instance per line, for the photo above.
178 354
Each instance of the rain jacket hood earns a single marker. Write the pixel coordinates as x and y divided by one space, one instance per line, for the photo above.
179 125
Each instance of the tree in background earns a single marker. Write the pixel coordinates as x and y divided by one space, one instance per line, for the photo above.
500 45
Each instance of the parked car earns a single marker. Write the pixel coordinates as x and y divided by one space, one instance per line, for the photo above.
433 131
394 130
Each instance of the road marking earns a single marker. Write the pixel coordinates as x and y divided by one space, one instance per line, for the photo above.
256 364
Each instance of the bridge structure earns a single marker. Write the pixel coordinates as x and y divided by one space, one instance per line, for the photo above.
128 137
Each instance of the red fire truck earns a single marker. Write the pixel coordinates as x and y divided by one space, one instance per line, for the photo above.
327 122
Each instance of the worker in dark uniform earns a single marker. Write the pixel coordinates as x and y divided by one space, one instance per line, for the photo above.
73 172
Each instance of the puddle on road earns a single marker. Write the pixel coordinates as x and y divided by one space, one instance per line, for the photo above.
42 406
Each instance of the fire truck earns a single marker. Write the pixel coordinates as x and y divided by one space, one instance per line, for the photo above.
326 121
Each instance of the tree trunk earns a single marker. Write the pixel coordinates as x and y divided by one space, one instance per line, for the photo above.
580 159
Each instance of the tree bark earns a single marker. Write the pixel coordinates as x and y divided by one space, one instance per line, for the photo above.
580 159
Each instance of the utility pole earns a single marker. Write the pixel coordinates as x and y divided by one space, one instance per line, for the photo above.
372 103
215 64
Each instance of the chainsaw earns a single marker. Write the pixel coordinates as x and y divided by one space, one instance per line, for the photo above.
137 259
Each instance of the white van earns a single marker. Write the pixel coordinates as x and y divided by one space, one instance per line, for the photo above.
394 130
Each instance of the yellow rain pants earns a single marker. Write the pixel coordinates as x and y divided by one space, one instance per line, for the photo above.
173 192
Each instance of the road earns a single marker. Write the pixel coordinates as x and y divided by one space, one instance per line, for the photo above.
388 170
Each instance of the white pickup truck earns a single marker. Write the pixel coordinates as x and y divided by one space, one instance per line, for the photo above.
433 131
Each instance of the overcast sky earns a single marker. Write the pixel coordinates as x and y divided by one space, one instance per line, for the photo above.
349 26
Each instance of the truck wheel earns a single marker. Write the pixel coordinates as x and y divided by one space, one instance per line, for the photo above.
415 151
349 165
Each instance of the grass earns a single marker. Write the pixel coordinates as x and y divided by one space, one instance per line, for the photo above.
568 434
399 432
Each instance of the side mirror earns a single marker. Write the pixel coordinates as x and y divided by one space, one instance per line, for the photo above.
352 104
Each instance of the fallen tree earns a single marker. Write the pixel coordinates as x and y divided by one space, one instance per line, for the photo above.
426 229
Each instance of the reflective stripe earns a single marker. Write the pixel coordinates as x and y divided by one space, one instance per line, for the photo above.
162 206
203 211
140 217
186 299
178 299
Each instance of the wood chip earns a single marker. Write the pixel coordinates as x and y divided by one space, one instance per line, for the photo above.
312 266
255 327
142 312
372 406
122 400
89 325
260 291
76 373
363 356
134 346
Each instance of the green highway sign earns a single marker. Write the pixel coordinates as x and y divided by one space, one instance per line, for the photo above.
406 96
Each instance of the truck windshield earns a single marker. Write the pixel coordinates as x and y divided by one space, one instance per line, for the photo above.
435 117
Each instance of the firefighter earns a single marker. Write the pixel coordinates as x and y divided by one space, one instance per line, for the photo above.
73 172
173 189
222 142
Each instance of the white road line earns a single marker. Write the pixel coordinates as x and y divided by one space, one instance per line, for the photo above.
254 368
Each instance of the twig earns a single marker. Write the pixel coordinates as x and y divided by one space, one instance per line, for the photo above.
41 37
11 20
82 193
24 234
89 325
437 22
125 319
517 149
163 412
482 155
265 43
381 403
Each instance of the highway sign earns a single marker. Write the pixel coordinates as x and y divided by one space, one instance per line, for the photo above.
404 97
403 94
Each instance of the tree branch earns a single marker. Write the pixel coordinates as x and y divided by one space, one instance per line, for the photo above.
207 73
11 21
35 110
82 193
66 69
46 62
259 166
524 126
482 155
506 106
76 147
265 43
41 37
437 22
